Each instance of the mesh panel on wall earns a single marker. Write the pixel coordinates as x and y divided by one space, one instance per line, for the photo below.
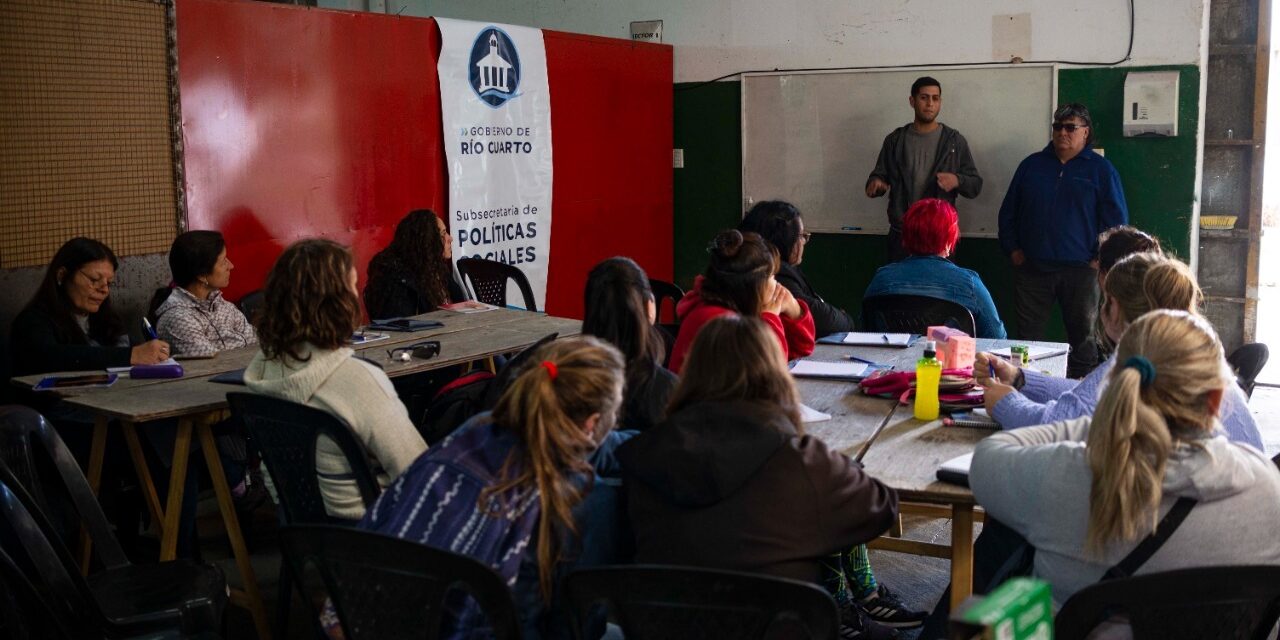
86 123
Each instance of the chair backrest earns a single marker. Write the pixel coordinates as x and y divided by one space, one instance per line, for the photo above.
251 304
1248 361
23 431
914 314
45 562
157 298
24 614
653 601
386 587
285 434
662 292
489 281
1207 602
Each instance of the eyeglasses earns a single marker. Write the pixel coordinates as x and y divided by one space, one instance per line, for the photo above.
1069 127
422 351
98 282
805 236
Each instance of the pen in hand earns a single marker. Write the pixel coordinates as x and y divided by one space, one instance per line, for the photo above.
149 330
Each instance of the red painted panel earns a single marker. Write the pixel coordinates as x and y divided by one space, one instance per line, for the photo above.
304 122
611 140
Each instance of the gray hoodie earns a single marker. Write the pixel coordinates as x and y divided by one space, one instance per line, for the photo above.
1037 481
361 395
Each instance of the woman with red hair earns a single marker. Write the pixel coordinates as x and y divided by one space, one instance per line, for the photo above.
930 231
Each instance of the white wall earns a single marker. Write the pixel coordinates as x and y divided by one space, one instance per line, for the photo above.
716 37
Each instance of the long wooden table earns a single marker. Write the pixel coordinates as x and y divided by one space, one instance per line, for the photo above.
906 454
198 403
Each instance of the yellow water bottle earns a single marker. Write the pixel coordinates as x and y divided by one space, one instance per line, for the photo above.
928 375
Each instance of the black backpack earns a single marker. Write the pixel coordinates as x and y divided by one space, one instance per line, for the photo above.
470 394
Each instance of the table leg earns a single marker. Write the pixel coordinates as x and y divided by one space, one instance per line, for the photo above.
144 473
238 548
177 482
97 452
961 553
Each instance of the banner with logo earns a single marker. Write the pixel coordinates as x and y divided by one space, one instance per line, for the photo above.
496 107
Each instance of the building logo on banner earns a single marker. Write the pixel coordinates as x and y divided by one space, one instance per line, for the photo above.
495 67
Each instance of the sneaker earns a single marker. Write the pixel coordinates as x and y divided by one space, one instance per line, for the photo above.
855 625
885 607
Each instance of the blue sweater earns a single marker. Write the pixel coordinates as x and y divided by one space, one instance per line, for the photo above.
1045 399
938 277
1053 212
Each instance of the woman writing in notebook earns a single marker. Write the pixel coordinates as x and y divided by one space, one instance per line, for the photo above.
740 279
1085 492
413 275
1138 284
70 325
195 318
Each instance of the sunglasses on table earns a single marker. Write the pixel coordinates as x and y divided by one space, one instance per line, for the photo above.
422 351
1069 127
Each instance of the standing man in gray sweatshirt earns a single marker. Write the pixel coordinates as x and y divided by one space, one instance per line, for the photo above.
924 159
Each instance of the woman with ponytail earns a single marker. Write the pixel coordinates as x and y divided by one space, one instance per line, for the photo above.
619 309
1137 284
740 279
1085 492
514 488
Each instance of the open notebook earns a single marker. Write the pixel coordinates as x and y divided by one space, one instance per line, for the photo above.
869 339
830 370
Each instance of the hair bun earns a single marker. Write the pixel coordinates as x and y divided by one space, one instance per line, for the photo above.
727 243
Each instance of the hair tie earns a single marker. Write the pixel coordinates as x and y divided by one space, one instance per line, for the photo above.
552 371
1146 370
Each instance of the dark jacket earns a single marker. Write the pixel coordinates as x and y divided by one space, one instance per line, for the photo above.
1054 212
731 486
37 345
953 157
391 292
827 318
644 402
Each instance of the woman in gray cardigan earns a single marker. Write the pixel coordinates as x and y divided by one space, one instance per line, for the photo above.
1085 492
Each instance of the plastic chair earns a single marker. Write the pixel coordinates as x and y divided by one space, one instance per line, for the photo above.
285 434
489 281
1204 603
1247 362
663 291
178 590
914 314
386 587
251 304
127 603
655 601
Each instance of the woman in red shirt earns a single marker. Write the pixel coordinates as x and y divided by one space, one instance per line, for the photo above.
739 279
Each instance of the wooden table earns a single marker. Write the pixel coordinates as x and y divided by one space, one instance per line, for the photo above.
906 454
198 403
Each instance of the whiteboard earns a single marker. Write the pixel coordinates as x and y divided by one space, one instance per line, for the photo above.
812 138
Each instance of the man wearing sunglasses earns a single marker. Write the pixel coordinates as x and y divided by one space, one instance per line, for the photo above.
923 159
1059 200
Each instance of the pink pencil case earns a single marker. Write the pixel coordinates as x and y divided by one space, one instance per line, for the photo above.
143 371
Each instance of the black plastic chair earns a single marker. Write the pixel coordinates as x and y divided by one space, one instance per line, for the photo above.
285 435
662 292
654 601
251 304
178 590
1248 361
386 587
122 604
914 314
1204 603
489 281
1276 460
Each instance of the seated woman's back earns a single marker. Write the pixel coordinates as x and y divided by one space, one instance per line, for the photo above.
930 231
729 480
1084 492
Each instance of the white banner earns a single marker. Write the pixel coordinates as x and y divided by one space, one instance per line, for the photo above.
496 107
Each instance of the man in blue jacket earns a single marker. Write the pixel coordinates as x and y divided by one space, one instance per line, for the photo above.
923 159
1060 199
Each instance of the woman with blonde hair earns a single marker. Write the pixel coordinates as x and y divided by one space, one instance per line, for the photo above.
514 488
1140 283
1085 492
730 480
310 310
